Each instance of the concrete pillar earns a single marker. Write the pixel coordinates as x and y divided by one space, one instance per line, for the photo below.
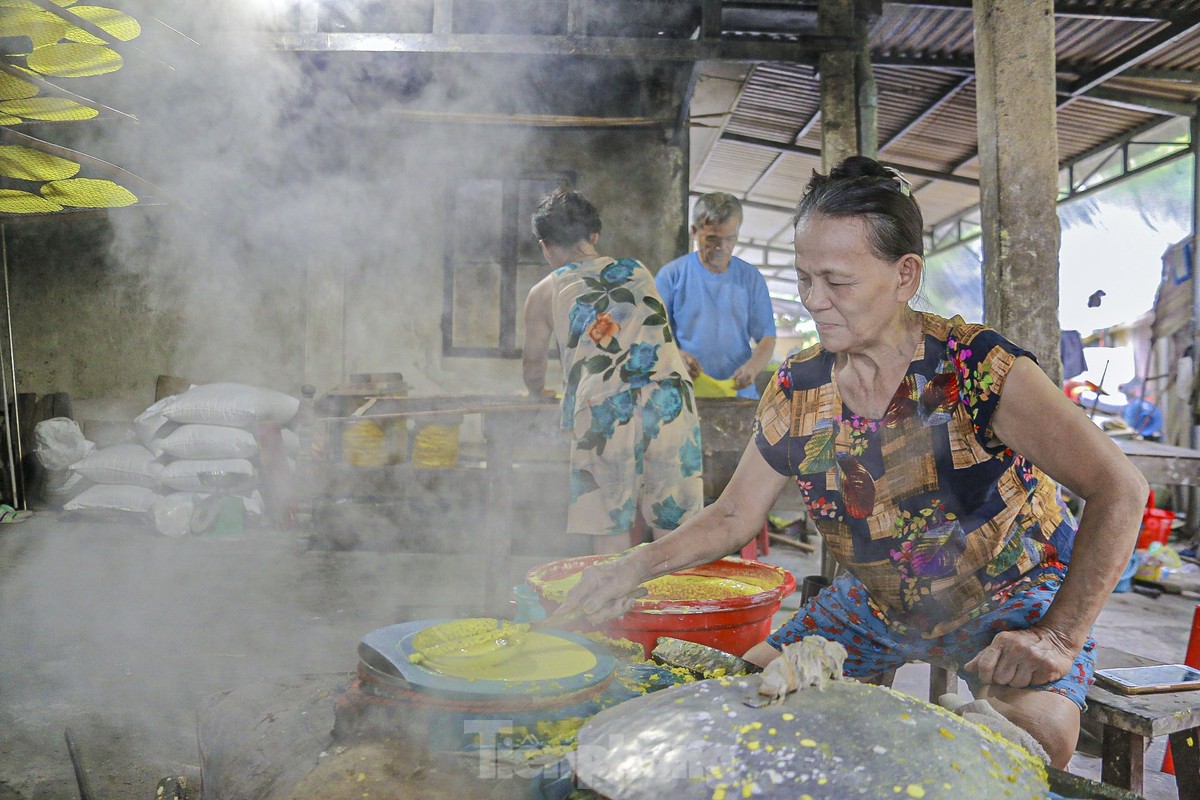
848 95
1018 156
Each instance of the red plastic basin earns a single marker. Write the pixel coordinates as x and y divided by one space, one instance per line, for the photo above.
733 624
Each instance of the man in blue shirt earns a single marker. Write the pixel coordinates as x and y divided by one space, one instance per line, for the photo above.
719 304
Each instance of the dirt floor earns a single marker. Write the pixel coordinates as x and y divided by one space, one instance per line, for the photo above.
117 634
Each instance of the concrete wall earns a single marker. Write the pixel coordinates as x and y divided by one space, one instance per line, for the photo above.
307 286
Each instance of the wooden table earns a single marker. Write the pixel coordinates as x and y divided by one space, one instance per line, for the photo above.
1130 721
1163 464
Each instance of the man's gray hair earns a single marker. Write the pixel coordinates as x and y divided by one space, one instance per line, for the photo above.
715 208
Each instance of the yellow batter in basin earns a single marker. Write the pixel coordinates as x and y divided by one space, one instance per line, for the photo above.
487 649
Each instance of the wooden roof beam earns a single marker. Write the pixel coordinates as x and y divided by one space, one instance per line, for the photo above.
804 50
910 169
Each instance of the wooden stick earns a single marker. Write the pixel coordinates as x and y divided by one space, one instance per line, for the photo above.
802 546
444 412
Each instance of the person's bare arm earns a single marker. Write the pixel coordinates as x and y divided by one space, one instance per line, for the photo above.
1035 419
689 361
735 518
744 375
539 324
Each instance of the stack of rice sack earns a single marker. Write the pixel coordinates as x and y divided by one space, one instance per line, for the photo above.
121 478
192 445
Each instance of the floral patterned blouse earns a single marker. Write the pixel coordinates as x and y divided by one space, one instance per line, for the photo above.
925 506
612 332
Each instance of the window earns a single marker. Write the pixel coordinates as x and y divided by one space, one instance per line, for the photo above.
492 262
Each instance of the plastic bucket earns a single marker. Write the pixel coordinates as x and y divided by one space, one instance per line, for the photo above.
1156 525
731 624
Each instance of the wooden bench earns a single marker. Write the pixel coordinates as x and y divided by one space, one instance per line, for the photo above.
1130 721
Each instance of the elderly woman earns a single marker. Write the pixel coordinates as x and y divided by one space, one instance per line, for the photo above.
929 453
627 401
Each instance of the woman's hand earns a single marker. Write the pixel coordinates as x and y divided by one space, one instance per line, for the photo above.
604 591
692 365
1022 658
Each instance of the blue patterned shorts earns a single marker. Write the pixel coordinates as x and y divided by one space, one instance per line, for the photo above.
843 613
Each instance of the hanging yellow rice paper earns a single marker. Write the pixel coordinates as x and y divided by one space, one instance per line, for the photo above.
116 24
41 27
5 119
27 164
88 193
29 5
14 88
48 109
74 60
13 201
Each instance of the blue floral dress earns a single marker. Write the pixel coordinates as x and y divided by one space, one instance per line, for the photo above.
627 401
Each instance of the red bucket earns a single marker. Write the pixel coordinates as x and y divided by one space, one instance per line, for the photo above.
731 624
1156 525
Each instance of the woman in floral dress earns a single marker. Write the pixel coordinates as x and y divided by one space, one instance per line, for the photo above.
627 400
929 452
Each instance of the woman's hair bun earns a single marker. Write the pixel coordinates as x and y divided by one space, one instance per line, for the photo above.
860 167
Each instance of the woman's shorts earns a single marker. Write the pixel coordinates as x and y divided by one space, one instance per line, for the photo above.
842 612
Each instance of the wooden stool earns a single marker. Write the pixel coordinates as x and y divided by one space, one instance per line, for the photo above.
760 545
1130 720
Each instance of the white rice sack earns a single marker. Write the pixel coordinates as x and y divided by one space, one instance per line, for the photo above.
113 497
194 440
233 404
209 475
129 464
60 443
149 424
60 485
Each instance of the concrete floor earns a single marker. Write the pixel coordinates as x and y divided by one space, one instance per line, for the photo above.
117 634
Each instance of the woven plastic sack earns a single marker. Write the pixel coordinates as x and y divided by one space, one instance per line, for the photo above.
60 443
209 475
208 441
112 497
129 464
233 404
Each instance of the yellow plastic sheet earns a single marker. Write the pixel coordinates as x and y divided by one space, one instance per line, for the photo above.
27 164
74 60
88 193
13 201
49 109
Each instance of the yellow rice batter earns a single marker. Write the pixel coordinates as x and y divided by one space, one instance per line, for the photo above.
676 587
483 648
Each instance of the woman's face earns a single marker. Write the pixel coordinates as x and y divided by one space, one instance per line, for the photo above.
851 294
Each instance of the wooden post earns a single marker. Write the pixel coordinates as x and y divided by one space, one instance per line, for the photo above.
1018 156
848 95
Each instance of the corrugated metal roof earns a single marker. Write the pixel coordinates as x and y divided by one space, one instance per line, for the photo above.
1124 66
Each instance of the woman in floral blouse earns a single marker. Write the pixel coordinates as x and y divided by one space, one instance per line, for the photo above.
929 453
627 401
